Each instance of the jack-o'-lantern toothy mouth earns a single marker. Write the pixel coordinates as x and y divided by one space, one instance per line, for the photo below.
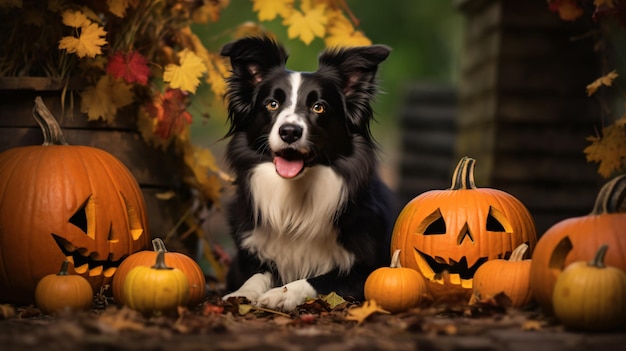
82 260
459 273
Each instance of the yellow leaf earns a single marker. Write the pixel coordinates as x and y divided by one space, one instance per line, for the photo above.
118 7
604 80
209 12
87 44
359 314
609 150
75 19
341 33
185 76
103 100
269 9
308 24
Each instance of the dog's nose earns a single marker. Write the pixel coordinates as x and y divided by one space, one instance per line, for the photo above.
290 132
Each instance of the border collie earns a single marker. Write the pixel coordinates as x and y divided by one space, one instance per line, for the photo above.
310 215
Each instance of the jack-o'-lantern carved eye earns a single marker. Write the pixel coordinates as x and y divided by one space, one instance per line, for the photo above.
85 216
497 222
432 224
134 222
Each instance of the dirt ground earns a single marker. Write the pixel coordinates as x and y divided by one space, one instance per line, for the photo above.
316 325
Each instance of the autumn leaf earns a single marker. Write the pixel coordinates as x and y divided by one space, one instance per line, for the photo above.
87 44
360 314
341 32
606 80
132 67
170 111
568 10
209 12
185 76
118 7
308 24
333 299
74 19
609 149
103 100
216 75
269 9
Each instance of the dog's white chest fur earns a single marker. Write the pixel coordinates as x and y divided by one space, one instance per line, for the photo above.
296 228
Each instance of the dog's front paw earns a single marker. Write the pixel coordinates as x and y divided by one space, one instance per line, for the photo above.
251 295
287 297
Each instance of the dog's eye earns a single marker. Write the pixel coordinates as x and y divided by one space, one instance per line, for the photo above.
318 108
272 105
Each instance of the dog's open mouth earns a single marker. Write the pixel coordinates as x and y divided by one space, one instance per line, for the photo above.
289 163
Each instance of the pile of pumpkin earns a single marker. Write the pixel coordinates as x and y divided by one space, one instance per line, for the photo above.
452 245
80 207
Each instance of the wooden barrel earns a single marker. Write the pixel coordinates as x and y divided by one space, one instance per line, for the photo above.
157 171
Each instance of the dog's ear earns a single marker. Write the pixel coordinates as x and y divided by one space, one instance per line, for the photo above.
252 57
357 66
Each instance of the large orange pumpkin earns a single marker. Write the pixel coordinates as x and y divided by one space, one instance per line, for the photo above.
447 234
578 238
62 202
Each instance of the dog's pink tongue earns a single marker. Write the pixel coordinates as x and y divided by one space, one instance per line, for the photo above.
286 168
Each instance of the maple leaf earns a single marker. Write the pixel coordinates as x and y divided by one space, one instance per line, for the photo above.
333 299
342 33
103 100
118 7
609 150
568 9
606 79
269 9
185 76
170 111
75 19
360 314
308 24
209 12
87 44
132 67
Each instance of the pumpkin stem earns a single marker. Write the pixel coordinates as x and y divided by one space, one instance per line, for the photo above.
63 270
463 176
395 259
611 197
598 260
158 245
518 253
52 133
160 261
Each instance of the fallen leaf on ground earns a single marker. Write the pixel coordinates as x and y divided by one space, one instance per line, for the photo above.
360 314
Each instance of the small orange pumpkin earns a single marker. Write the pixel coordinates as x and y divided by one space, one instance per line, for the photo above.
191 269
511 277
65 202
58 292
395 288
447 234
576 239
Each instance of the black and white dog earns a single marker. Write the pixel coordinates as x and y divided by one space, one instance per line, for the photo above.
310 215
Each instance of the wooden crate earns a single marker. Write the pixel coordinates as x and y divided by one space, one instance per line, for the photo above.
523 110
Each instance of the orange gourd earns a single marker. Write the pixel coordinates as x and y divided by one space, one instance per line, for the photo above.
511 277
447 234
62 291
576 239
64 202
189 267
395 288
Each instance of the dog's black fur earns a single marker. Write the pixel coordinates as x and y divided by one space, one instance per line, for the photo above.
336 143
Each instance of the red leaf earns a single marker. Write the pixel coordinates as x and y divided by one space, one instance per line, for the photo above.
170 110
132 67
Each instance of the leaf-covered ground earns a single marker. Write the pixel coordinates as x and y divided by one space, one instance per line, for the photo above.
326 324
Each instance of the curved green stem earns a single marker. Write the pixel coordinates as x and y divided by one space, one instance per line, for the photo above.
463 176
52 133
158 245
598 259
160 261
611 197
63 270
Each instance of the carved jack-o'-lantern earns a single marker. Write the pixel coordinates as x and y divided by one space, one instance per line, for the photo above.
447 234
578 238
61 202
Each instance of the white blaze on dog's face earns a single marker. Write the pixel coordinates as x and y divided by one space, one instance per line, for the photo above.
289 132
